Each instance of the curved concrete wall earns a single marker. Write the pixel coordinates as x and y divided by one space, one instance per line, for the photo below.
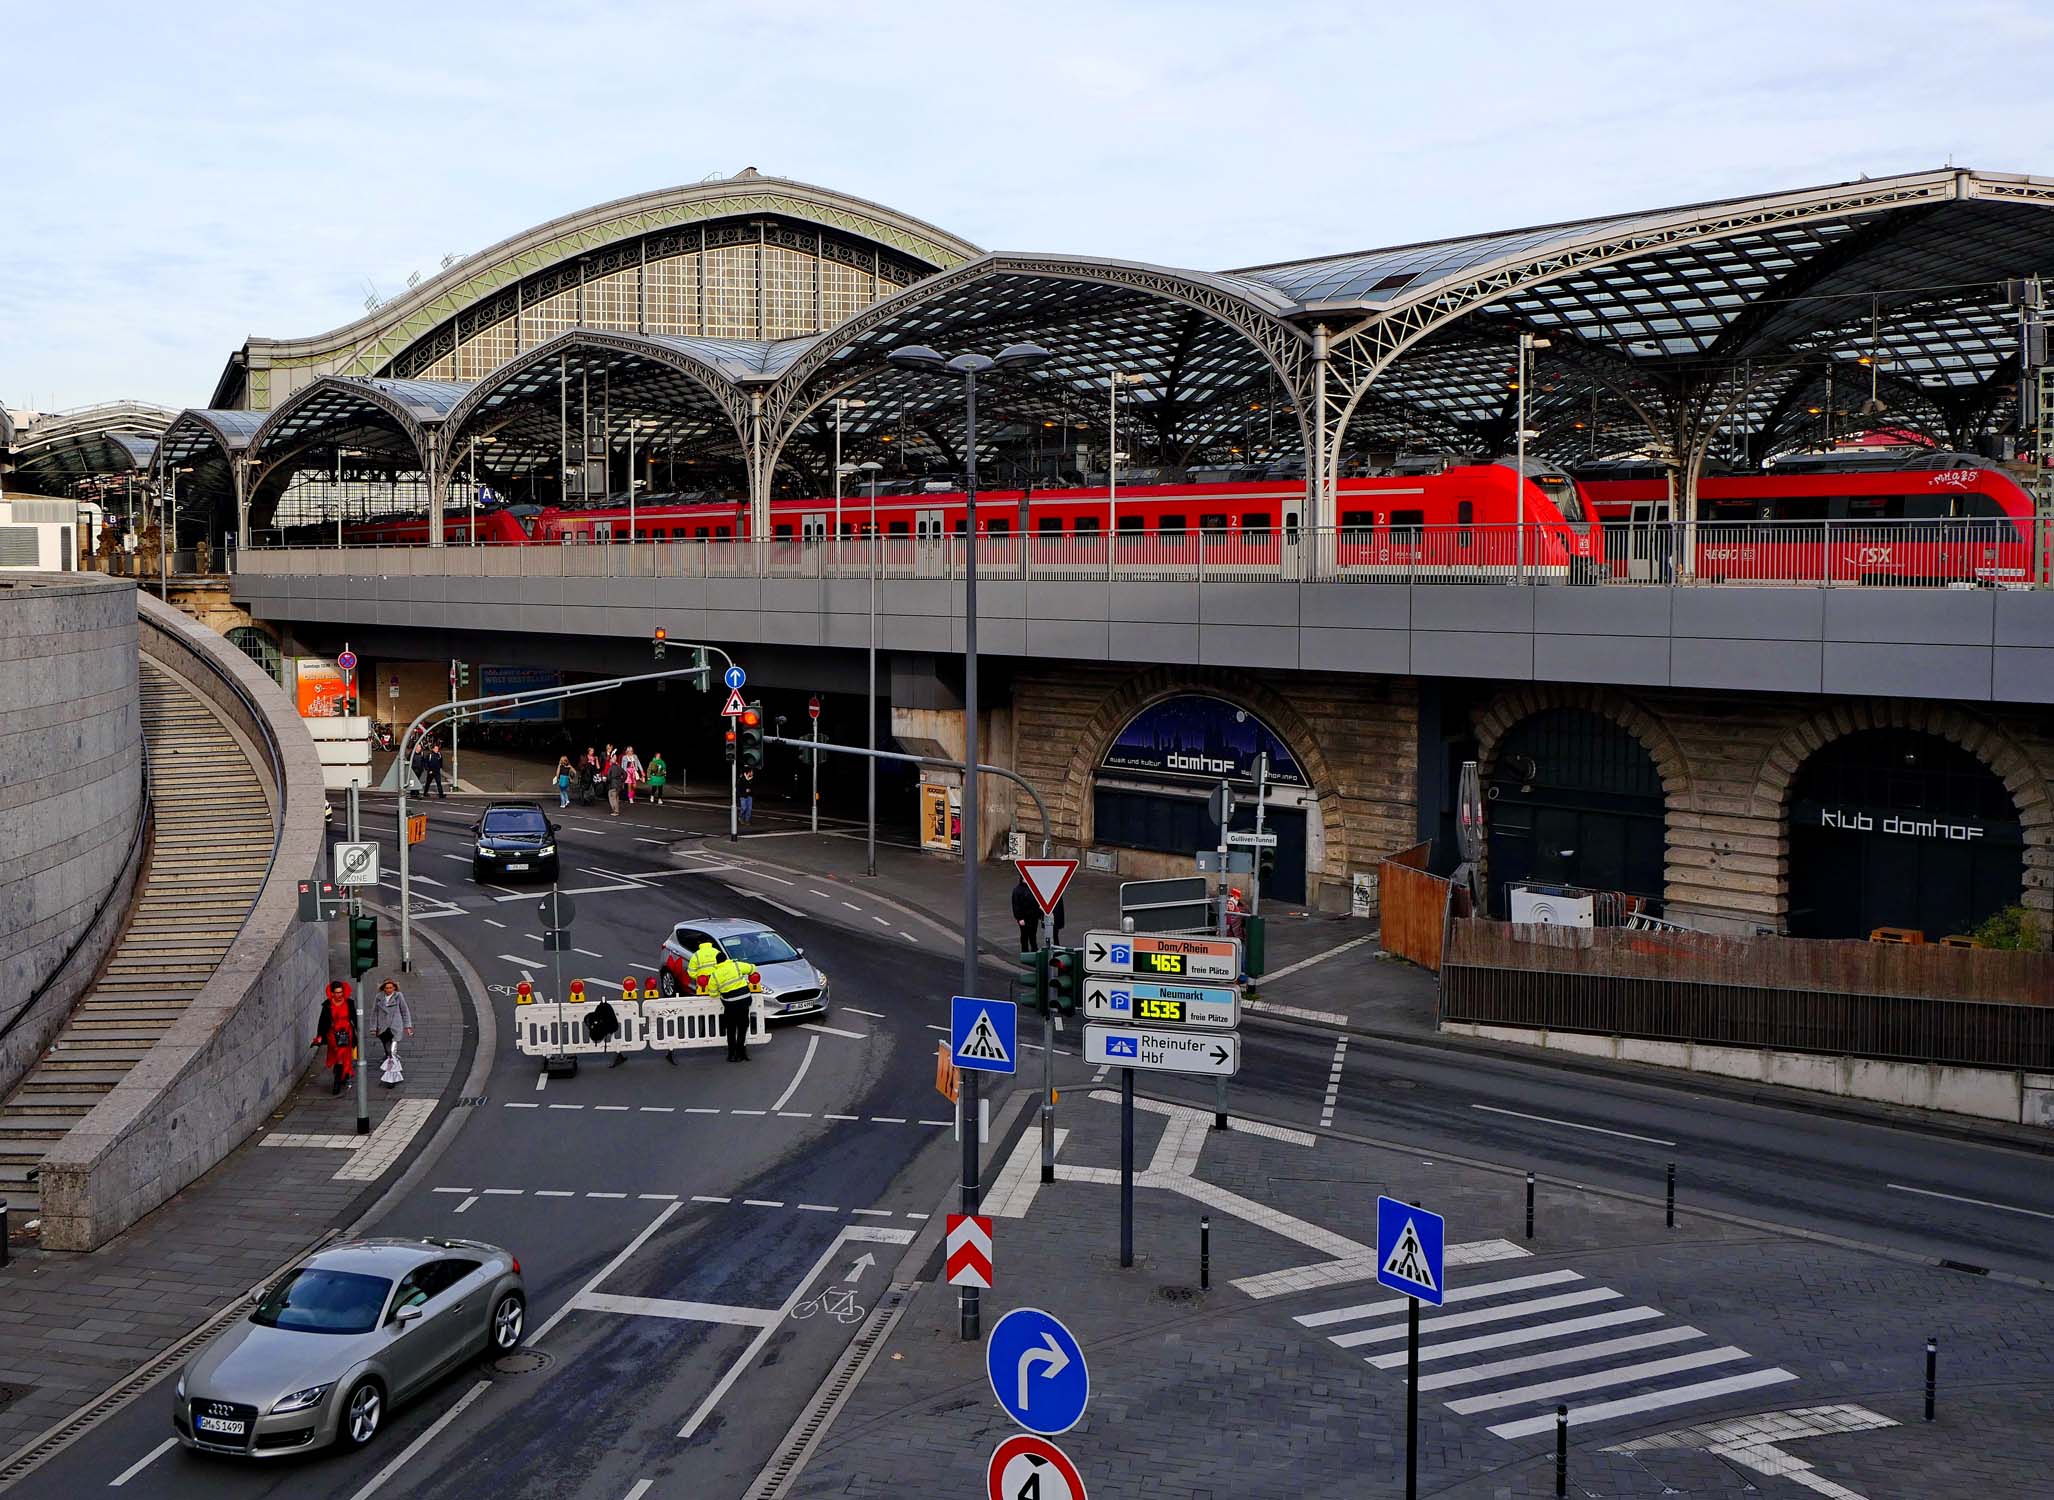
71 789
235 1053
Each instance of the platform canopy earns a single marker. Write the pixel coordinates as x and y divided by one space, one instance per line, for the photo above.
109 445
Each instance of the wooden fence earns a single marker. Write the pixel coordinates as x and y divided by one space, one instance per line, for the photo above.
1962 1006
1414 907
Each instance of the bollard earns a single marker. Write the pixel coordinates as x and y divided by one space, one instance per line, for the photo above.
1561 1452
1529 1205
1672 1195
1205 1252
7 1254
1932 1348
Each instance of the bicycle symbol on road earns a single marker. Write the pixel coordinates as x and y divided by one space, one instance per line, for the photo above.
837 1302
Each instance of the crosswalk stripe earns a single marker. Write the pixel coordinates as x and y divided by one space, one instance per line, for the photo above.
1628 1406
1575 1355
1562 1329
1455 1294
1481 1315
1548 1390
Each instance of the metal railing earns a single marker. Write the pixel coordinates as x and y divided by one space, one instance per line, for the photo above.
1828 554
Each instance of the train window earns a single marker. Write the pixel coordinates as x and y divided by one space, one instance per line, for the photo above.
1927 507
1798 508
1359 520
1255 520
1866 508
1170 526
897 528
1214 522
782 531
700 533
848 530
1409 519
961 526
998 526
1131 525
1465 517
1981 507
724 532
1087 526
1049 525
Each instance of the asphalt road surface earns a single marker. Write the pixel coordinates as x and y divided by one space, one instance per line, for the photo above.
758 1191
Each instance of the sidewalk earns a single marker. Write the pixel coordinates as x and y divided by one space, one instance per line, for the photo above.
71 1326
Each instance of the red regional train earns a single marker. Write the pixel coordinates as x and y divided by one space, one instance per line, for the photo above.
1890 516
1460 522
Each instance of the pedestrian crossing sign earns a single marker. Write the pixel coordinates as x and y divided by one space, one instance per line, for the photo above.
983 1034
1409 1245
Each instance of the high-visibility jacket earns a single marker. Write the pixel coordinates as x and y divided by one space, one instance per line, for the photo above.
731 979
702 963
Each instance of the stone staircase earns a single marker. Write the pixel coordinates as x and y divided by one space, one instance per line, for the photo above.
212 836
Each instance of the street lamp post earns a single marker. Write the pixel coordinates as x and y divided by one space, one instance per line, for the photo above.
1527 344
1113 381
166 540
840 404
969 367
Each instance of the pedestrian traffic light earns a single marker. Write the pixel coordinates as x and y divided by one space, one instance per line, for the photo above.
1065 965
1032 977
363 945
752 737
657 640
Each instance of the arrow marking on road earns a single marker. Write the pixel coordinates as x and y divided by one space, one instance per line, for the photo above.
861 1264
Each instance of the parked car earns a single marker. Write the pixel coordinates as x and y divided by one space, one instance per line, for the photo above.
514 838
348 1332
791 985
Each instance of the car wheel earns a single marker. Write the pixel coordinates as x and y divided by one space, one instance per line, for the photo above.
362 1412
667 983
509 1318
477 873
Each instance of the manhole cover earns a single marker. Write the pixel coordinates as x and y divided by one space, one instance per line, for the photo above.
1401 1083
1177 1293
521 1362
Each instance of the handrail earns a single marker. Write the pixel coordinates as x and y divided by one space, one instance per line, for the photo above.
145 807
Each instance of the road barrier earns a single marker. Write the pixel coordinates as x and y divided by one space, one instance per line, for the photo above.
682 1024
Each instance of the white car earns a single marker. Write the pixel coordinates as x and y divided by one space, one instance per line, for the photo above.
791 985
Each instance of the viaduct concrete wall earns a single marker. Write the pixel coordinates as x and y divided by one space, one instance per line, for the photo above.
71 795
235 1053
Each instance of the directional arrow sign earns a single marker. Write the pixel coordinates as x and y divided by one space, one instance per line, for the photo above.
1161 1050
1036 1368
734 677
1161 1004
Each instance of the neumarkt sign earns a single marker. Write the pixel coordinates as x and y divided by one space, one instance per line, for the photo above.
1840 818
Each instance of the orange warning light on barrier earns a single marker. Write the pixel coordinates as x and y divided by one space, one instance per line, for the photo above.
649 989
577 992
524 993
705 983
755 980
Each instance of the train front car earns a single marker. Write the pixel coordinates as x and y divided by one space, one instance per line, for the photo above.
1466 524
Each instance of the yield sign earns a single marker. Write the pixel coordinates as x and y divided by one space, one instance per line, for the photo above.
1047 878
734 706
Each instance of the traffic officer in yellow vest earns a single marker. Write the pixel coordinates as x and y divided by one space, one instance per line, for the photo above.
732 981
699 969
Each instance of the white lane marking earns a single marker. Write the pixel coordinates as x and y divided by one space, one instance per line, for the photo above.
606 1195
1317 958
594 890
823 895
1295 1012
1468 1293
659 1109
872 1213
659 874
758 875
841 1117
604 1271
459 1191
794 1114
881 921
1628 1406
852 906
504 1192
790 911
909 937
588 953
1326 1115
877 1235
1978 1202
1548 1390
519 960
1576 1354
854 1036
640 840
554 1193
1528 1308
427 879
875 1015
703 1198
142 1463
700 1109
812 1045
681 1311
541 1082
462 859
942 1029
428 1435
763 1203
1534 1335
889 1120
616 1109
943 1123
461 1207
641 1488
1624 1135
818 1208
657 1197
751 1111
517 1104
490 923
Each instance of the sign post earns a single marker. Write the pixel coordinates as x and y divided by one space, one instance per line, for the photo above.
813 712
556 910
1410 1258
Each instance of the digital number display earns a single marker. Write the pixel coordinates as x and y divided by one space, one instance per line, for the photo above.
1159 1010
1160 963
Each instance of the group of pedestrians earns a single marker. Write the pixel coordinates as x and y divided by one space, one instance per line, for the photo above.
620 773
426 765
336 1029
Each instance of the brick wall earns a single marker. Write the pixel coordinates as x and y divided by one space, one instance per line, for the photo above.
1355 738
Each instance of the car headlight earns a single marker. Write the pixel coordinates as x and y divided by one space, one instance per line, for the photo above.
820 978
301 1400
546 850
485 853
179 1389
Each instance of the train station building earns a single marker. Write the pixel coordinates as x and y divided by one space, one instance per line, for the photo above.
1785 755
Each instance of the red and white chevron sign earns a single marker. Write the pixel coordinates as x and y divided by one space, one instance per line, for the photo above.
970 1251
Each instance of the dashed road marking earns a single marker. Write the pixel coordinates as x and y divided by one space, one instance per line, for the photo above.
1624 1135
1326 1115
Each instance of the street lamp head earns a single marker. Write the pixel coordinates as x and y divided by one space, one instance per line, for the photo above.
916 357
1022 356
871 466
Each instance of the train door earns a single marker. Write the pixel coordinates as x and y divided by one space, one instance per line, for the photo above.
1647 541
930 555
602 531
813 528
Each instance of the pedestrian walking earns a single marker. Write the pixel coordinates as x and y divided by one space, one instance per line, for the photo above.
747 806
565 775
659 774
588 777
391 1017
632 764
418 763
336 1028
1026 912
616 783
433 785
735 983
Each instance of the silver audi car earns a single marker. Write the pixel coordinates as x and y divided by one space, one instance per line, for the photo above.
339 1338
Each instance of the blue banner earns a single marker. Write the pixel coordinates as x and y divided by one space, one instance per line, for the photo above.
1201 737
494 680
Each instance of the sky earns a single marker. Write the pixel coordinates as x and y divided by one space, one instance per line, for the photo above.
182 177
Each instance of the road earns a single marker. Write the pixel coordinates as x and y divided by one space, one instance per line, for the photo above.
756 1191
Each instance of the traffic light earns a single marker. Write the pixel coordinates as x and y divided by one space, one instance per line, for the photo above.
657 640
1065 970
730 741
700 666
463 674
363 945
752 737
1032 978
1265 868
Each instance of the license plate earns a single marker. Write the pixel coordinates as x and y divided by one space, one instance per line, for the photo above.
223 1425
517 867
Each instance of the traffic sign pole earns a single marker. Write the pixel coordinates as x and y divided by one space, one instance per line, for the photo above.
1126 1166
1411 1398
1048 1072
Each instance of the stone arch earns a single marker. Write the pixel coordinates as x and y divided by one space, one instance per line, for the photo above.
1495 721
1152 686
2029 780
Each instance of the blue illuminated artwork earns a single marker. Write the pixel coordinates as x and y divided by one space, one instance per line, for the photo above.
1203 738
492 680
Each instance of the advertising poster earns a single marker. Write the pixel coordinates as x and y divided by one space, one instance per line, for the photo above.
1201 737
318 688
941 816
493 680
